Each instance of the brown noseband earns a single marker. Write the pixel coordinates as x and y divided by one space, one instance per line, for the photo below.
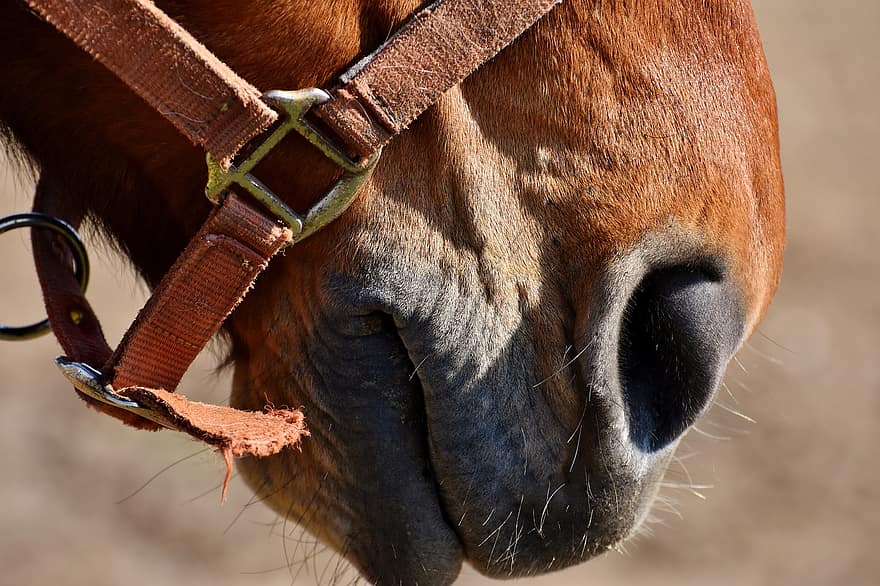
372 102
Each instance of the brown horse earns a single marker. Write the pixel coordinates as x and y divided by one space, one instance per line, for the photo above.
499 345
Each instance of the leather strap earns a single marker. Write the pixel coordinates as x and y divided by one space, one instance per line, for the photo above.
190 304
374 100
73 322
440 46
167 67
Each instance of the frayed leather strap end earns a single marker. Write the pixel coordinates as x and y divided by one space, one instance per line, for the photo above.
235 433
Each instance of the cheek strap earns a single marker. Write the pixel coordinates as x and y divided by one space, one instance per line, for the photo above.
190 304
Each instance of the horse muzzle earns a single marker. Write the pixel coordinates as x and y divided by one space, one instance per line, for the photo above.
442 431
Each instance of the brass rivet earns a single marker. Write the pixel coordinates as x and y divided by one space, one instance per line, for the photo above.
76 316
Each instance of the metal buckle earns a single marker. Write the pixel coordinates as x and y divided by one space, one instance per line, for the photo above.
90 382
295 104
80 266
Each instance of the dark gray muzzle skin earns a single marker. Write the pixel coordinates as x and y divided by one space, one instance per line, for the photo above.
447 444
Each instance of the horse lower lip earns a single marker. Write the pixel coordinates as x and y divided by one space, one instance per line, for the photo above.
397 529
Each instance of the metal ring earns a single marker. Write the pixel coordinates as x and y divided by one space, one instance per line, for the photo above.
80 264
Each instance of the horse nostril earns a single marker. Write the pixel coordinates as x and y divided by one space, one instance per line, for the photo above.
680 328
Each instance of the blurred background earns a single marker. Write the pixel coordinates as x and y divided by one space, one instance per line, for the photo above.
778 485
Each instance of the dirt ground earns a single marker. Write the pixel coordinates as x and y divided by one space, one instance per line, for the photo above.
788 498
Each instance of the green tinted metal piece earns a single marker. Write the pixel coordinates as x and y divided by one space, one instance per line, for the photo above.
294 104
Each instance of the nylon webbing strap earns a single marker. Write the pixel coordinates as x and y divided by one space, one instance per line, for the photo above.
440 46
193 299
167 67
377 99
73 322
214 272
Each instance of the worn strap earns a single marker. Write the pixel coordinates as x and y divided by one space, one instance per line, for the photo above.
440 46
375 100
214 272
167 67
73 322
187 308
234 432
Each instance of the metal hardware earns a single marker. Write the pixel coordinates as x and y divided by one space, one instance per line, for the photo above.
295 104
80 266
90 382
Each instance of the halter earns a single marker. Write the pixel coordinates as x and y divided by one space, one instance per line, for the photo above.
350 122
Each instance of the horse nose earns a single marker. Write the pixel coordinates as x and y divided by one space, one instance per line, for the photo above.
680 328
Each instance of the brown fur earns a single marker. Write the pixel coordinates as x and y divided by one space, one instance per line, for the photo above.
608 121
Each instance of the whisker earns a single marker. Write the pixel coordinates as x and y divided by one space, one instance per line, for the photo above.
680 461
577 448
547 507
565 365
735 412
497 529
260 572
743 386
774 342
467 494
330 561
419 365
160 472
726 387
665 505
299 521
342 564
768 357
287 556
709 435
254 499
692 488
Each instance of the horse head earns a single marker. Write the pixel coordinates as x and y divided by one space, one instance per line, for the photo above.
498 347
